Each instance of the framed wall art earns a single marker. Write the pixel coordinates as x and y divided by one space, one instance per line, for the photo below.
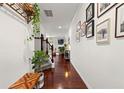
103 8
78 36
103 31
90 12
83 29
60 41
78 28
119 21
90 29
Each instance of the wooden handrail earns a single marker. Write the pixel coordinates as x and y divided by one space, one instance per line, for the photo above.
48 46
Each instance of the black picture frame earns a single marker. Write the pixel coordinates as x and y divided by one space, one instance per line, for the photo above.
99 15
92 27
91 8
60 41
116 22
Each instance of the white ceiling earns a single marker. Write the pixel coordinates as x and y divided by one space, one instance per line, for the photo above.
63 14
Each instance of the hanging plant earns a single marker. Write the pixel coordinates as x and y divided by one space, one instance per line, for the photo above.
35 21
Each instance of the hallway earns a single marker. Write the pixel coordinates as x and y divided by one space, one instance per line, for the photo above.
64 76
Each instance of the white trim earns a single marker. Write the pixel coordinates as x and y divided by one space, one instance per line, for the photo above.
88 85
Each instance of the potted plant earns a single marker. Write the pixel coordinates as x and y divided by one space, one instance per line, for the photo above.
61 50
39 58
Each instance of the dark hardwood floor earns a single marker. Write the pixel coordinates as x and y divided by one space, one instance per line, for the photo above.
63 76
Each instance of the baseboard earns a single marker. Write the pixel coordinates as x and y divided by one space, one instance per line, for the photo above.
88 86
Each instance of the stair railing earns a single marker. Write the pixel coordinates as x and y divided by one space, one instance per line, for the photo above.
46 47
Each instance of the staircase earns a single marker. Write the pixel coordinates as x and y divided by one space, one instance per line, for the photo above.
46 47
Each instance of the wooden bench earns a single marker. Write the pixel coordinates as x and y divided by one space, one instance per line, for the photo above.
27 81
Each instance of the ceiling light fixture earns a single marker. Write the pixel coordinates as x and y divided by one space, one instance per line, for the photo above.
60 27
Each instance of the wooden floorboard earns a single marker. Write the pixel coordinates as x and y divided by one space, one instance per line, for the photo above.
63 76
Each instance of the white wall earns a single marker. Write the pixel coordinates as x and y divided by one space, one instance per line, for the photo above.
14 48
99 65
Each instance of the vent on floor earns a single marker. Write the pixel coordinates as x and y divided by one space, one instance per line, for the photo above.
48 13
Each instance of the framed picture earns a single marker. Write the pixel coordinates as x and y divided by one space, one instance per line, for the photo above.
78 36
60 41
83 29
103 8
90 29
119 21
78 26
102 31
69 40
90 12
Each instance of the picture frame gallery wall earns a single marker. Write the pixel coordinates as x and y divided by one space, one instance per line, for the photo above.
101 30
103 50
89 19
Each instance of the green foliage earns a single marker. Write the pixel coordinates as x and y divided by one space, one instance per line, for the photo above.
61 49
36 17
35 21
38 59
